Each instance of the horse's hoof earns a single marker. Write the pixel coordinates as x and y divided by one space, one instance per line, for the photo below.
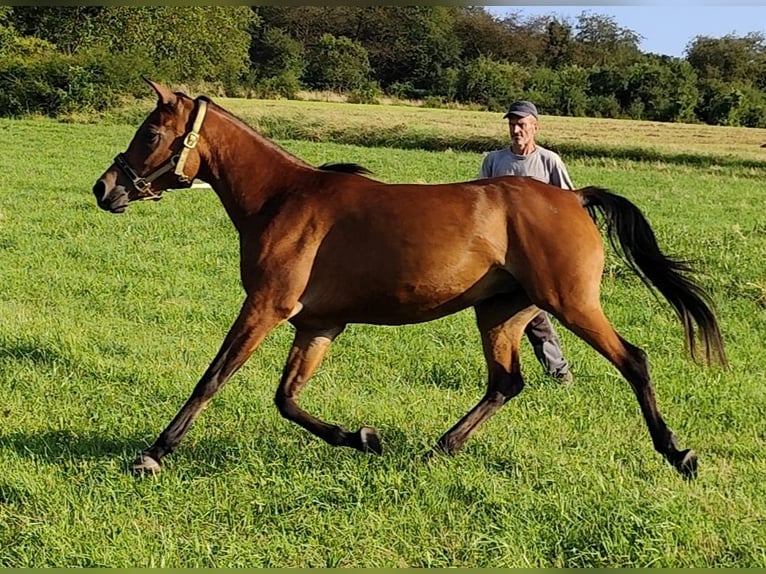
687 464
145 465
370 440
432 454
439 450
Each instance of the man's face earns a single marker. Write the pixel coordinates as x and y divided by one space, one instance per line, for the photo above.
523 130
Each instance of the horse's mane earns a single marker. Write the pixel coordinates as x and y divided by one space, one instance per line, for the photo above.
337 167
345 168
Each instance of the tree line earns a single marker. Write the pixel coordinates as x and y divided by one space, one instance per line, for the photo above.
55 60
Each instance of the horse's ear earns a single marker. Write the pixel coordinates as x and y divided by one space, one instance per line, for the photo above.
165 95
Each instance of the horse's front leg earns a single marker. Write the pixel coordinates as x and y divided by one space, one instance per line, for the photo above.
258 316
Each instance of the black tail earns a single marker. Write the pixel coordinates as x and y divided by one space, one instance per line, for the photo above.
631 236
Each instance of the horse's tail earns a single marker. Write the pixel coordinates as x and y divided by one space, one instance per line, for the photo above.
632 237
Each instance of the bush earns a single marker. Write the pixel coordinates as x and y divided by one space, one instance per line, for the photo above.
752 112
338 64
542 87
720 103
571 96
558 92
284 85
367 93
434 102
275 55
491 83
666 89
401 90
603 107
54 85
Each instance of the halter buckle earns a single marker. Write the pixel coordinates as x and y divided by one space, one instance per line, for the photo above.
142 185
191 139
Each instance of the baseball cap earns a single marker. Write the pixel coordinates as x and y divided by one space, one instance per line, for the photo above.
522 109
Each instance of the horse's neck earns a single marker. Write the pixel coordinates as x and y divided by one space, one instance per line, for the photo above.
244 168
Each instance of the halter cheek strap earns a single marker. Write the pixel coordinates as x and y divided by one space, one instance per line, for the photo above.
190 141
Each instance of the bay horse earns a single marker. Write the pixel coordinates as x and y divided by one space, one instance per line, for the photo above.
328 246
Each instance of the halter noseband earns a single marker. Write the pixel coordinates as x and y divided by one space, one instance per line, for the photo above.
175 162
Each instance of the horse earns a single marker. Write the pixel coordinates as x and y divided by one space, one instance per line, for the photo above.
323 247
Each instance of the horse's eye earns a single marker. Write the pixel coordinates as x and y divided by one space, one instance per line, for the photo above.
151 136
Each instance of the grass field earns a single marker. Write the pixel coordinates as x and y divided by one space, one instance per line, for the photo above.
106 323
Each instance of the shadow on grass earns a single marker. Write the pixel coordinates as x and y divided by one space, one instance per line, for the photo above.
291 450
70 450
65 446
36 351
196 456
208 449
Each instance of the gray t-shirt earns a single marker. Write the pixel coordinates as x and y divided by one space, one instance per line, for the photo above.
542 164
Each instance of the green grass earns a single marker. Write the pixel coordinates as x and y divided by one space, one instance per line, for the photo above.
106 323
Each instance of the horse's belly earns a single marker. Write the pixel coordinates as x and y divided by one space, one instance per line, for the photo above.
397 301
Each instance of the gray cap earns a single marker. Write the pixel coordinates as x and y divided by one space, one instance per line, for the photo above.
522 109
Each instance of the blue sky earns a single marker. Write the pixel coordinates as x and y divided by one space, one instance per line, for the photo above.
666 29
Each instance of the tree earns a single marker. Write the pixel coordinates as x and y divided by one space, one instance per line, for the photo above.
212 56
542 88
337 64
307 24
664 87
601 41
559 44
525 39
70 28
479 34
571 95
155 38
277 62
409 44
273 51
730 58
493 84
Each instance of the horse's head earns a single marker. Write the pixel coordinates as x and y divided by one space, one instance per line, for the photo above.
160 156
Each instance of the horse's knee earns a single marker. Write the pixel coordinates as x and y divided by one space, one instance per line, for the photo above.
515 386
505 387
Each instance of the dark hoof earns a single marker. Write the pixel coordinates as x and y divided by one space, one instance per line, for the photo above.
686 464
370 440
437 451
432 454
145 465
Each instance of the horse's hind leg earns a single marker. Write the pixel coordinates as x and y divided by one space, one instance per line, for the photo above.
501 322
309 347
595 329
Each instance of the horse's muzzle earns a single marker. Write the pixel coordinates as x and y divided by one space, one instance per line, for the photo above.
114 200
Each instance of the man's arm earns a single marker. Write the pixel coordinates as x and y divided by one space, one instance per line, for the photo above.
560 176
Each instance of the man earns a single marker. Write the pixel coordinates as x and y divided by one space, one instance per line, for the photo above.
525 157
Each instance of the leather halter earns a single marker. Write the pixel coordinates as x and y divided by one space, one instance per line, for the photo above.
175 162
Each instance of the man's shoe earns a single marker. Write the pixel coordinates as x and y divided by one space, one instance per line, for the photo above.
566 378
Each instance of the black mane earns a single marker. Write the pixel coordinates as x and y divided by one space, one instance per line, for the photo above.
345 168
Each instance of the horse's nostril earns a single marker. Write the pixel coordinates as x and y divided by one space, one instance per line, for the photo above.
99 189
